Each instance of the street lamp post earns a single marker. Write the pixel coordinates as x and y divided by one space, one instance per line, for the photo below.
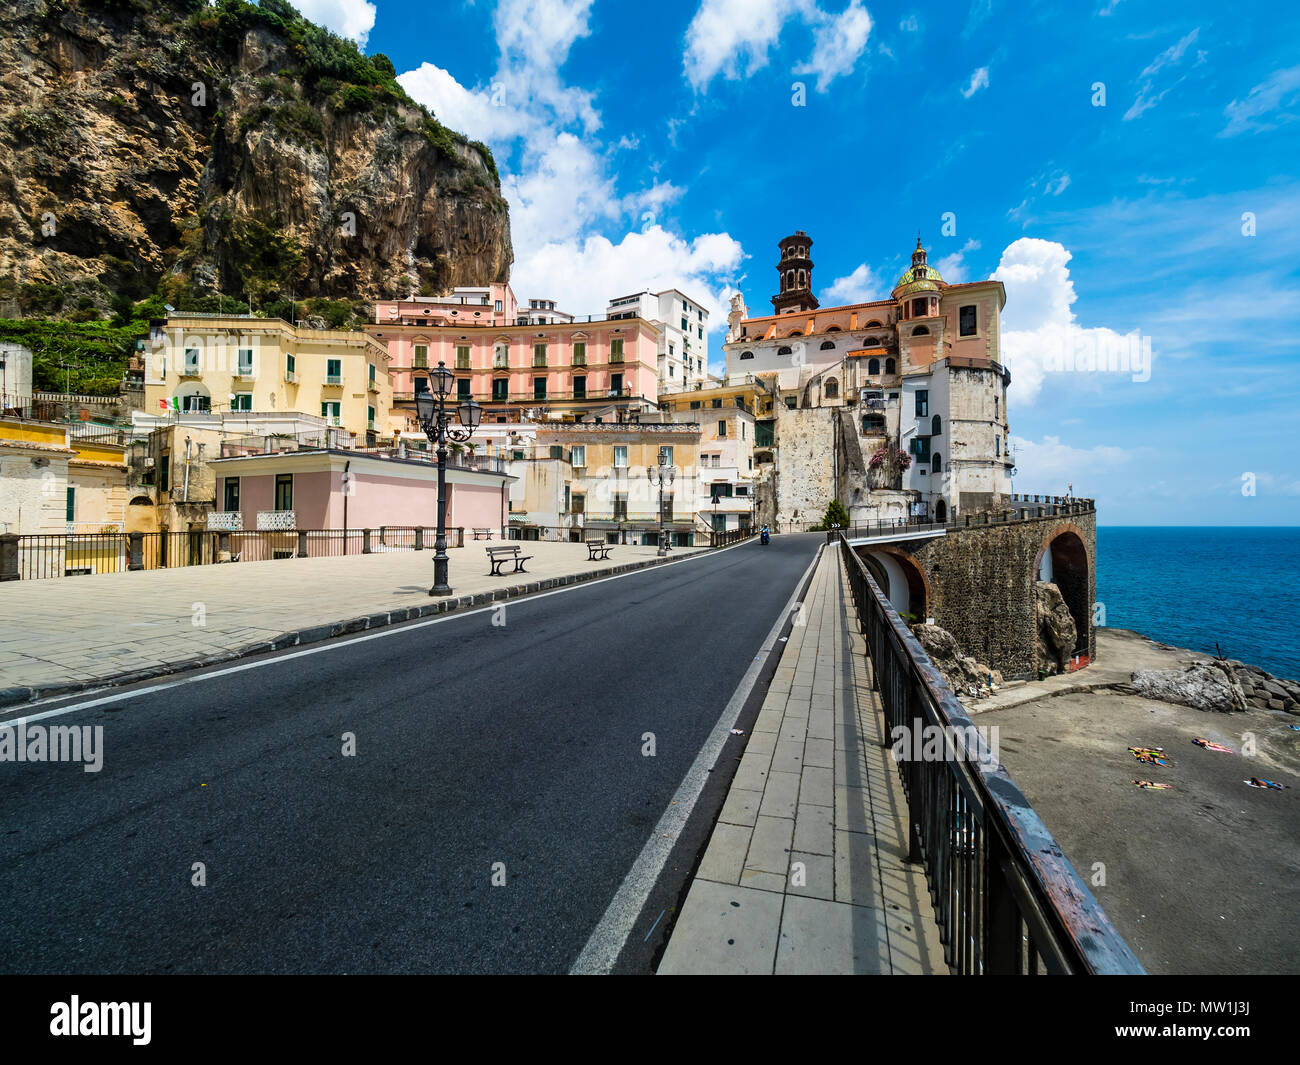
436 422
662 476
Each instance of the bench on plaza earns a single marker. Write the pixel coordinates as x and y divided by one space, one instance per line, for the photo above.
498 556
598 550
482 534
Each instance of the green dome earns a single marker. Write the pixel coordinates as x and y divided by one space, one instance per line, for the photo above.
908 283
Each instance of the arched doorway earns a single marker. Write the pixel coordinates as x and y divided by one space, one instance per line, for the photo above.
941 511
1063 561
900 580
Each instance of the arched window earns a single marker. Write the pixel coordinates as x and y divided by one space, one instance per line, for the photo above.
936 463
783 351
828 345
832 388
801 280
936 426
873 366
871 342
746 354
874 324
921 331
832 329
889 366
795 333
789 279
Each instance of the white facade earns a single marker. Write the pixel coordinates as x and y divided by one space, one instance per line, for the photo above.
15 376
683 338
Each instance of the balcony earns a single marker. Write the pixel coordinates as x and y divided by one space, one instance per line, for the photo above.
372 386
290 378
334 380
190 369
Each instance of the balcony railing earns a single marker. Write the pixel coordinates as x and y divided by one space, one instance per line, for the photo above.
1005 897
334 380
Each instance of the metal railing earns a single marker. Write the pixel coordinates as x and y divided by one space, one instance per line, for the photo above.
1005 897
1024 508
725 538
48 555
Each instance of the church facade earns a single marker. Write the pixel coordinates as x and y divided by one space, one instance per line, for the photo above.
895 407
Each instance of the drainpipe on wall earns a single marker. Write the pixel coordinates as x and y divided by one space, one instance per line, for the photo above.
185 495
346 466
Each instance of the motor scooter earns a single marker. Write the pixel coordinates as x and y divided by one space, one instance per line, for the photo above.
763 537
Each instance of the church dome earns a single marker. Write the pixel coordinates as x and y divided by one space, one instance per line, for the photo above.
919 277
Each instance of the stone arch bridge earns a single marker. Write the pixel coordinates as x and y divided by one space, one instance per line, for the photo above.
982 579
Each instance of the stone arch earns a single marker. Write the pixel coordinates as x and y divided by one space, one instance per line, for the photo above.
941 507
1063 560
907 587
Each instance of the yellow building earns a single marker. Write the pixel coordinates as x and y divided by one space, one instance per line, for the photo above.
243 363
589 480
51 481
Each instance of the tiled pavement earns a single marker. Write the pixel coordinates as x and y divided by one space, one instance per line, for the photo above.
84 631
806 871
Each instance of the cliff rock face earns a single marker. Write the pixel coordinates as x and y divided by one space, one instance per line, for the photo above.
233 146
1057 633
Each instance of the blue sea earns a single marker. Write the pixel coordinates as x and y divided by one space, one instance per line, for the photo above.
1198 586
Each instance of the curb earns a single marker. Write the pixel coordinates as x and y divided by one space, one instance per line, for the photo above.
17 695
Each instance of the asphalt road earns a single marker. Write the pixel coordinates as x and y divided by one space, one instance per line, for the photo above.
476 744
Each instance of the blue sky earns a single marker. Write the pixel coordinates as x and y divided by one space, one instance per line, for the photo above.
1127 168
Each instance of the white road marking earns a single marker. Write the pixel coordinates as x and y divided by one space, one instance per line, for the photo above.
605 943
327 645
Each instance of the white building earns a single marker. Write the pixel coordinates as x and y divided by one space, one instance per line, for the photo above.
15 376
683 338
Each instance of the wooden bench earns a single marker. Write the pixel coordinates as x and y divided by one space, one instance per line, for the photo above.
482 534
598 550
500 555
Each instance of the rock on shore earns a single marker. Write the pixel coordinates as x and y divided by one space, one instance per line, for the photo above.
1221 685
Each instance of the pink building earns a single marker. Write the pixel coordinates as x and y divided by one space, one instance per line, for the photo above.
355 490
514 362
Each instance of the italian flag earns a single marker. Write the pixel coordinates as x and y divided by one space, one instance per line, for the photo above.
169 404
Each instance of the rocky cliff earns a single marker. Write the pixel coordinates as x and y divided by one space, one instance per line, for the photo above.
172 144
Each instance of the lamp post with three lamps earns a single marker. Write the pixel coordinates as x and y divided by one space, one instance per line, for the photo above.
436 421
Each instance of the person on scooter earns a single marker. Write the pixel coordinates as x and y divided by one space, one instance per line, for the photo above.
764 533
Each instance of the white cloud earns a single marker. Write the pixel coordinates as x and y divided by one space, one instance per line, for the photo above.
570 209
725 33
978 80
584 274
1039 328
952 268
1050 466
1279 90
910 24
861 286
838 42
1057 184
480 115
732 38
353 19
1147 97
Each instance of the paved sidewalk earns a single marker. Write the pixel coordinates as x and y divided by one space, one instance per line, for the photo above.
805 870
76 632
